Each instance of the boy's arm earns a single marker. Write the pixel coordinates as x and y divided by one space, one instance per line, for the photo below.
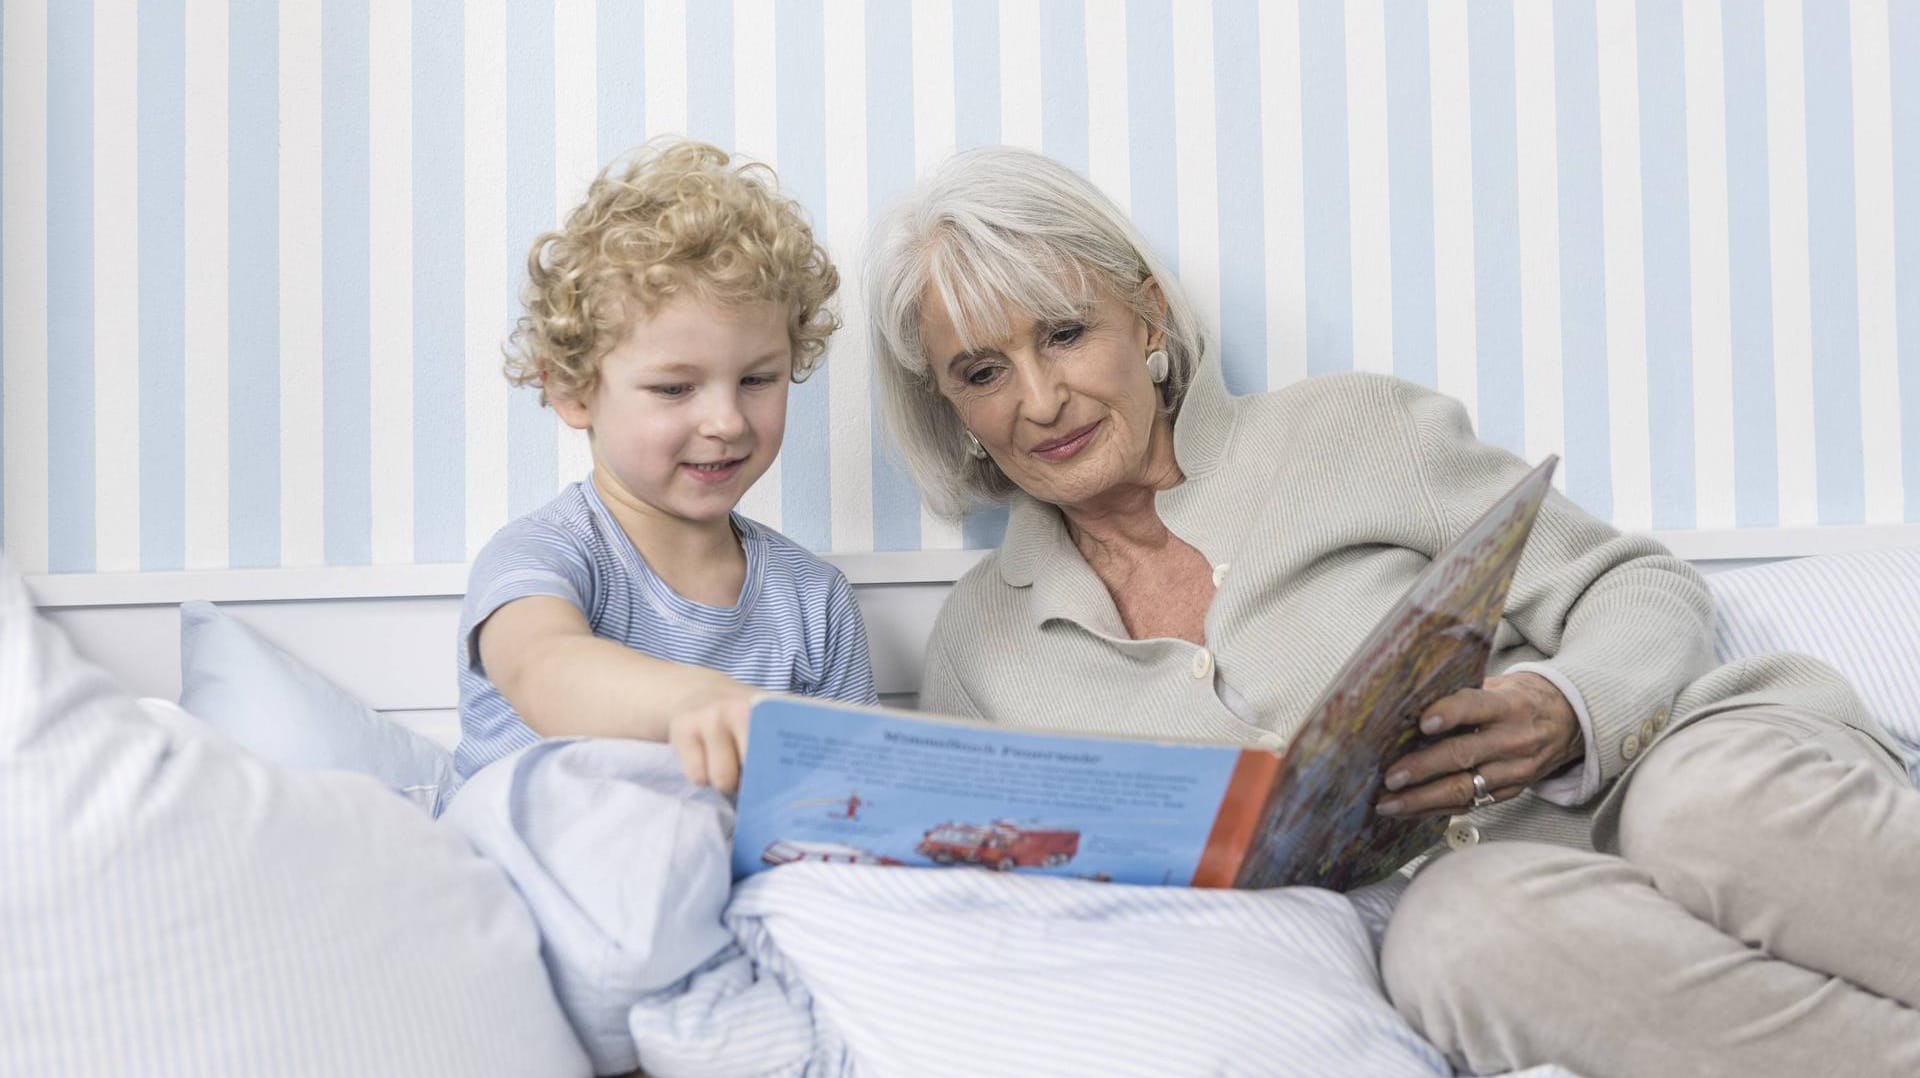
564 681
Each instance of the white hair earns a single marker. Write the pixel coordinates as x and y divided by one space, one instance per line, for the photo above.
994 229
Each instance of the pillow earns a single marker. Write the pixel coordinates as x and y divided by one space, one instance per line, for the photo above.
174 905
278 708
1858 612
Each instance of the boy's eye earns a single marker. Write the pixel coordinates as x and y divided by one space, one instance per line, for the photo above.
1066 334
755 381
678 389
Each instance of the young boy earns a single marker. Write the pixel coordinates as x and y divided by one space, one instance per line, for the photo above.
666 319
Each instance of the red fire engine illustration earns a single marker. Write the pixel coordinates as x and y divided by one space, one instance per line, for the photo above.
1001 845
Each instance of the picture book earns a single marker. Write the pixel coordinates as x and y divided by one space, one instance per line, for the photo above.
828 782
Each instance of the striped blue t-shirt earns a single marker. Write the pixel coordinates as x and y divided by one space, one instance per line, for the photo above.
796 627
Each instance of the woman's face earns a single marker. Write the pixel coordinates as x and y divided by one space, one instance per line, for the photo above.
1065 408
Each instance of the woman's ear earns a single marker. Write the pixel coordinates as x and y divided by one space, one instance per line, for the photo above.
1153 300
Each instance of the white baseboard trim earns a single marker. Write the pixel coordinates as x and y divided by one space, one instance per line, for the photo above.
60 590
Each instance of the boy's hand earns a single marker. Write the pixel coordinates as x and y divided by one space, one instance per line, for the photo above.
711 738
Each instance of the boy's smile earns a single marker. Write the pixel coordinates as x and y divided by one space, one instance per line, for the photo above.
689 410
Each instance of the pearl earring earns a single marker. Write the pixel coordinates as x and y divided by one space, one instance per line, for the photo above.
974 448
1157 365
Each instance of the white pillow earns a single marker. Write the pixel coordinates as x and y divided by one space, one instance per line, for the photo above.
280 709
1858 612
172 905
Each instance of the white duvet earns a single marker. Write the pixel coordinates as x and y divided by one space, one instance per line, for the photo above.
838 969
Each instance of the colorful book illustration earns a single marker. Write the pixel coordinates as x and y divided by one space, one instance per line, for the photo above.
832 783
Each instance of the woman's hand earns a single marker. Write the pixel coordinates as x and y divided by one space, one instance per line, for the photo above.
1514 732
711 738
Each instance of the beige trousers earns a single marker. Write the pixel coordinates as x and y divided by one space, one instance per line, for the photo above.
1761 917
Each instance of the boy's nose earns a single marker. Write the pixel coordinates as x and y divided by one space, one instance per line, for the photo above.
723 419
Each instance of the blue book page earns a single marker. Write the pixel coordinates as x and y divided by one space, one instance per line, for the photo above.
830 783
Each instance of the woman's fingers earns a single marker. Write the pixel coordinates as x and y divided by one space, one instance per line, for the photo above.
1453 792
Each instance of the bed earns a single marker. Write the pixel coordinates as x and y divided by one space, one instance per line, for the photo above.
180 899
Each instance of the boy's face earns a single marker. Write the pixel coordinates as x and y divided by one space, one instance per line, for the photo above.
690 407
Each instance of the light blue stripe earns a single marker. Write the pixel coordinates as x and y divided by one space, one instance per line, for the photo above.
1500 375
531 455
1410 189
439 295
345 253
1833 266
621 71
896 504
1583 261
1150 140
806 497
976 74
1904 45
1750 264
1668 261
1063 82
1323 166
70 379
976 107
710 73
253 286
162 172
1243 264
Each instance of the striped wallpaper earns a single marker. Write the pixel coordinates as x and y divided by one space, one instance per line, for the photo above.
259 257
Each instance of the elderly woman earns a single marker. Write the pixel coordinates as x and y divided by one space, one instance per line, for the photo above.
1662 868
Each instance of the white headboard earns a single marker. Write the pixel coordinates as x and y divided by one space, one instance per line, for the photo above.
387 634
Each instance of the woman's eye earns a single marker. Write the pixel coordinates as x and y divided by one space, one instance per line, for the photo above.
1066 334
980 376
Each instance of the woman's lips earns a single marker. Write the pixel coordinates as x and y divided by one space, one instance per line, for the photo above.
1061 448
714 472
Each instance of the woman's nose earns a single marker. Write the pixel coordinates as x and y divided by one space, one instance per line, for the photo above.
1042 393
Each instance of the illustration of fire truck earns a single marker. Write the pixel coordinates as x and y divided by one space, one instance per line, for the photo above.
1002 845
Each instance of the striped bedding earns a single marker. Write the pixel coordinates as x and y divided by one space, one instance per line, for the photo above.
838 970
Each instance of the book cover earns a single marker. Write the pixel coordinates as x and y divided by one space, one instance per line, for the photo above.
832 783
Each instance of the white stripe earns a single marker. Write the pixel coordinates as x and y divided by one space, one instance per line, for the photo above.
302 449
23 226
1792 278
1456 344
1283 206
933 142
850 427
1708 252
1539 196
756 133
204 337
1880 402
1020 62
116 286
485 167
1369 202
390 277
1196 169
1109 153
933 94
1626 287
575 161
665 30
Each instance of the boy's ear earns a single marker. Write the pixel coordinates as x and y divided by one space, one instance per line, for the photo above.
572 411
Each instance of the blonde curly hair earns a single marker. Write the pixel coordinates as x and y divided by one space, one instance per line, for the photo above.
675 215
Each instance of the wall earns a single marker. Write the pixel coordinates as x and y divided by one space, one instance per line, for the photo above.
258 258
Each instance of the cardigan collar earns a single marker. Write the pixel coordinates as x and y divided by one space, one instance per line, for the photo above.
1037 546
